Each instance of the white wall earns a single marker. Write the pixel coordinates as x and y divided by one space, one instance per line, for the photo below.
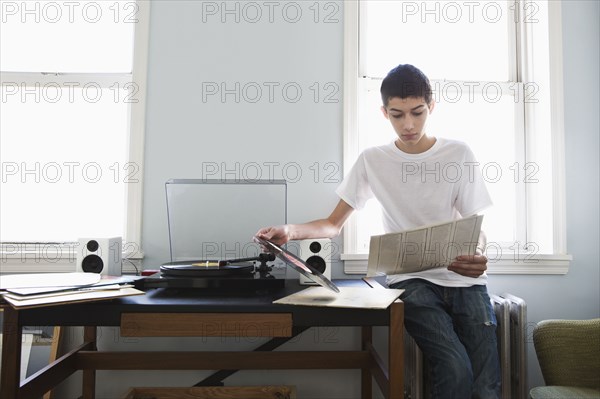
187 134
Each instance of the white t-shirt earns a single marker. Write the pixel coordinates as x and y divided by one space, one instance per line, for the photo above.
441 184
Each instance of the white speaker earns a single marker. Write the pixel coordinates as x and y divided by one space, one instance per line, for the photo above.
316 253
100 255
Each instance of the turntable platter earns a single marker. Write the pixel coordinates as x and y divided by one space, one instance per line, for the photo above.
204 268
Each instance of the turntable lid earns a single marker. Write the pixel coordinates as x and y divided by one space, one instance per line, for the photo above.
216 218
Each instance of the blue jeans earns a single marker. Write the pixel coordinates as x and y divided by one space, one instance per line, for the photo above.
455 328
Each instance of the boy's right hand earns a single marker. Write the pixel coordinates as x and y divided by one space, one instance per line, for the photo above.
278 235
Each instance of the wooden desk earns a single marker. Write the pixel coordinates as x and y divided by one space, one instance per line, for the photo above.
190 313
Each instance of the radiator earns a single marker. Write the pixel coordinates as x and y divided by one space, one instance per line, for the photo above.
413 369
511 314
502 310
518 346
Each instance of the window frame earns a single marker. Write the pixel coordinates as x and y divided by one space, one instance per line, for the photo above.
518 262
36 257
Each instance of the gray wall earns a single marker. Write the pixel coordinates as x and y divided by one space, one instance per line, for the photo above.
187 135
270 130
575 295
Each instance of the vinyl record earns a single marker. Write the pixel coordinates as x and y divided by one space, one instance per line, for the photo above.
297 264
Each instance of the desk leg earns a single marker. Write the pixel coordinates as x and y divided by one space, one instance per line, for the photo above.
365 373
89 376
396 351
11 355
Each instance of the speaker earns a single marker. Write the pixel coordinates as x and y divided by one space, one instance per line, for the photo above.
316 253
100 255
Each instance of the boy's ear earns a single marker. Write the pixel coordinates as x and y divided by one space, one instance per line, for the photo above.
431 105
384 111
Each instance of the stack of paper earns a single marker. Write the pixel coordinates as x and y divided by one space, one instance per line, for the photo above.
47 289
424 247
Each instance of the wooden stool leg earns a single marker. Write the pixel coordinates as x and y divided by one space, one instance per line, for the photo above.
396 351
54 353
89 376
11 354
365 373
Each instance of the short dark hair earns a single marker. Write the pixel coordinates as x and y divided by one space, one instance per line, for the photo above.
405 81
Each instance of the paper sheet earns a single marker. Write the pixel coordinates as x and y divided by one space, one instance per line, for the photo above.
17 296
36 280
84 296
102 284
423 248
349 297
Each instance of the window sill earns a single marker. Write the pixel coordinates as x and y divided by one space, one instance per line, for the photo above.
523 264
55 259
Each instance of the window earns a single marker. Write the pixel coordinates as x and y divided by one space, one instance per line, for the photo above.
495 72
72 97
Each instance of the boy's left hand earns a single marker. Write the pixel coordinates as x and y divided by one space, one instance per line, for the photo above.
469 265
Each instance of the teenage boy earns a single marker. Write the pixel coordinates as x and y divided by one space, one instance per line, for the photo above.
447 311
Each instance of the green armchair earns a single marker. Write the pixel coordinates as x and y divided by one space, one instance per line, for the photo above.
569 355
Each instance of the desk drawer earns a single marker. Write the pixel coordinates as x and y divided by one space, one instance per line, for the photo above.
206 325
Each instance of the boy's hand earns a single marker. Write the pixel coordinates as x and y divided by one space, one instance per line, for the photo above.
278 235
469 265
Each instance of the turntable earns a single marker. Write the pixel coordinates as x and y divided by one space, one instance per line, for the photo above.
211 226
237 274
